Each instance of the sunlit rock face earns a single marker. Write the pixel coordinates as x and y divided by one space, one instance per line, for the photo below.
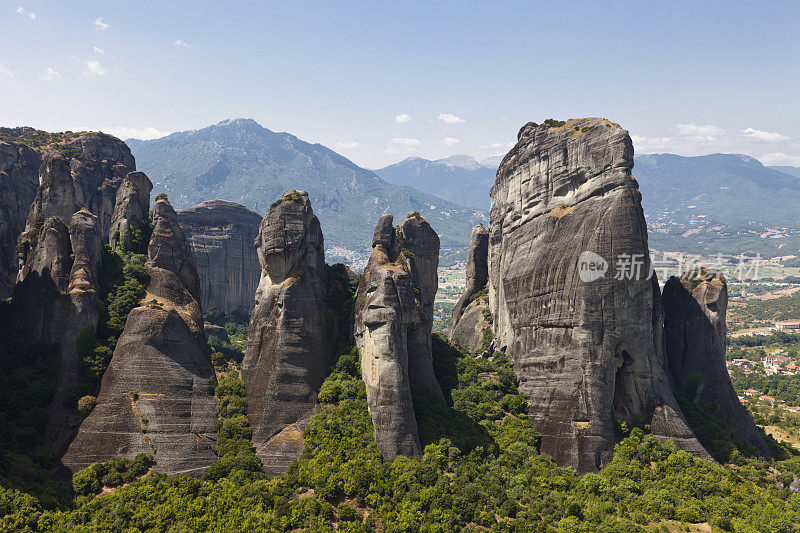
157 395
588 352
392 329
287 353
222 234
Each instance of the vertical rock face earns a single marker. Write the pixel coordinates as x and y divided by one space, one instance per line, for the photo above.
157 394
287 352
468 321
19 180
96 163
587 353
392 328
130 207
695 307
222 234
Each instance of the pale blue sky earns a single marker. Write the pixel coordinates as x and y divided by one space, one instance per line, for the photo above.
686 77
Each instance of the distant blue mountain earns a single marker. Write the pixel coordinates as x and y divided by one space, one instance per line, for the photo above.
460 178
240 161
792 171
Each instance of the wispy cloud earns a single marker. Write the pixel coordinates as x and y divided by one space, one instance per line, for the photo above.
99 25
402 118
49 75
405 141
94 68
703 130
780 158
347 146
767 136
98 50
7 72
449 118
124 132
182 44
30 14
451 141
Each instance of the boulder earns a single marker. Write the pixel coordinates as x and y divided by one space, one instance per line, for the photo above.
216 331
584 342
157 395
287 353
392 329
221 235
695 307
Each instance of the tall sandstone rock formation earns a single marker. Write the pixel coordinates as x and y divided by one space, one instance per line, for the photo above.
96 162
55 299
130 208
588 354
157 395
287 353
222 234
392 328
468 320
695 308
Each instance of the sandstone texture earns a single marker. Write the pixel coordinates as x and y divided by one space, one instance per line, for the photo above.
222 234
157 395
287 351
96 163
695 307
392 329
588 354
468 320
130 208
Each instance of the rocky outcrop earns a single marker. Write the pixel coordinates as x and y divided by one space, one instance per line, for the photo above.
586 348
55 302
216 331
469 318
96 164
287 353
222 234
157 394
695 307
130 208
392 329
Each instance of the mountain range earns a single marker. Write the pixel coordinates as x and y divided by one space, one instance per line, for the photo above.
460 178
240 161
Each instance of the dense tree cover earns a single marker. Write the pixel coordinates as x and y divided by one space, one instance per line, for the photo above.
481 469
779 386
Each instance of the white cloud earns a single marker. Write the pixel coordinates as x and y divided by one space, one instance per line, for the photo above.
49 75
403 141
780 158
98 50
695 130
7 72
450 118
95 68
767 136
451 141
182 44
402 118
347 146
100 25
123 132
30 14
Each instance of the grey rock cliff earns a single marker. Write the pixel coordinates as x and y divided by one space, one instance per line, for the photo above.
222 234
96 163
392 329
695 308
287 354
468 321
587 353
130 207
157 395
